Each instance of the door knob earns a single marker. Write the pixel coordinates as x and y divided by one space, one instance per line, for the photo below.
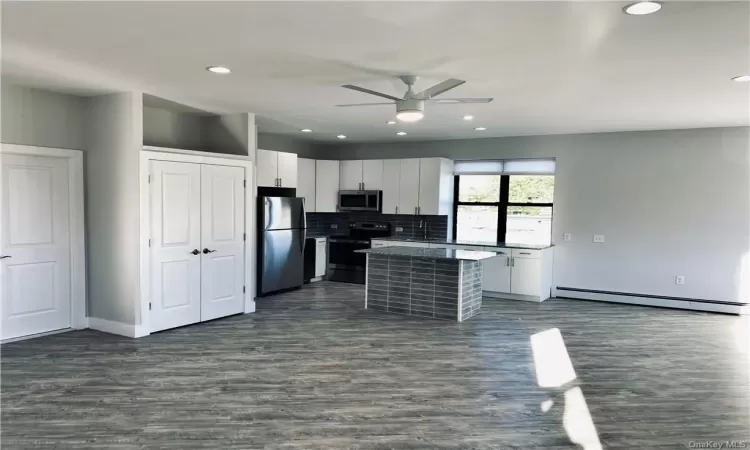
5 256
207 251
196 251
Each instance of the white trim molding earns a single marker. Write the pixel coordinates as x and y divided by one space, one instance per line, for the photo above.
119 328
78 319
663 302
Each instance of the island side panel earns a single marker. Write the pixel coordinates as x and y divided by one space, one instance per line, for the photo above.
423 287
399 284
447 291
377 282
471 288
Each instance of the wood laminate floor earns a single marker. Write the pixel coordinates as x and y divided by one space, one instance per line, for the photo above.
313 369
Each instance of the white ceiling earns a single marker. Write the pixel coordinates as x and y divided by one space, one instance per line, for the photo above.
552 67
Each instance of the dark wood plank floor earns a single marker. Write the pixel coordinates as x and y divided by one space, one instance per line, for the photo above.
313 369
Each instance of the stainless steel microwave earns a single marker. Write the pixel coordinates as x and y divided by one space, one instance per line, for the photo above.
361 201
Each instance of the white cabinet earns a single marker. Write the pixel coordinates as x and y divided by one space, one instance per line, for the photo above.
391 181
351 176
326 185
372 174
321 257
525 274
496 271
276 169
408 199
435 186
306 182
361 175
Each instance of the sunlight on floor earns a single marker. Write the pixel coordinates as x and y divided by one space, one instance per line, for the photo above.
551 360
554 370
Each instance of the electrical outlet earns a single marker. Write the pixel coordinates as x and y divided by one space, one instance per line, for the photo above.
399 229
567 237
599 238
679 279
334 226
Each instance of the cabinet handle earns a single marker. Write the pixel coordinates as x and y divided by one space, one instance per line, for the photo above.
524 253
397 210
415 210
512 262
507 261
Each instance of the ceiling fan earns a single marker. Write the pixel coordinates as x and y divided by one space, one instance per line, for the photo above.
411 107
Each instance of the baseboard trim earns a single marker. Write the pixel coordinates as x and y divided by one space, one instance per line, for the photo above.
119 328
650 300
506 296
36 335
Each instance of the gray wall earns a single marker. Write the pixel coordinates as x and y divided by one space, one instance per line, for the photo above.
282 143
668 202
210 133
113 206
42 118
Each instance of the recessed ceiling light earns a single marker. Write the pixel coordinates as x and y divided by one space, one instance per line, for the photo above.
341 136
480 128
306 130
741 78
391 122
468 117
219 69
642 8
401 133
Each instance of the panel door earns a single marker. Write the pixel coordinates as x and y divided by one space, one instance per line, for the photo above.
391 183
175 236
372 174
287 169
496 271
351 176
222 241
267 167
326 185
409 186
525 276
36 245
306 182
429 186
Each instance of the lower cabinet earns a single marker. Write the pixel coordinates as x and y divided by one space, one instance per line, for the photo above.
497 270
524 277
321 257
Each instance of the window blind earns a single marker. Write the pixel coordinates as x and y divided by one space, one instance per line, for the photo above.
505 167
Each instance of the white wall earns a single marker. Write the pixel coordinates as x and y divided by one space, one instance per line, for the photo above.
112 204
668 202
42 118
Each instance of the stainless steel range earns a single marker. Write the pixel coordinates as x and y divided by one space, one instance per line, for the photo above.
345 265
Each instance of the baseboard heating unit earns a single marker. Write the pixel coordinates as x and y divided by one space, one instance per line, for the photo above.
651 300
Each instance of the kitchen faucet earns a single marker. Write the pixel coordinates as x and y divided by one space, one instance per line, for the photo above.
425 226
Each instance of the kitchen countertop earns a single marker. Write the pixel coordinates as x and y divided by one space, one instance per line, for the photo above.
431 253
465 242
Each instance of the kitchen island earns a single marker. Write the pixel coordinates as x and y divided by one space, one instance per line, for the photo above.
429 282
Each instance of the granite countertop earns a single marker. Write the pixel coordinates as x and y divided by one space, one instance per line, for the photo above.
431 253
466 242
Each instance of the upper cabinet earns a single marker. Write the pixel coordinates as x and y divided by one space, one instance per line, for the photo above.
361 175
276 169
418 186
408 195
435 186
306 182
326 185
391 185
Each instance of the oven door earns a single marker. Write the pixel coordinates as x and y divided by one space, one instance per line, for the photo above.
341 254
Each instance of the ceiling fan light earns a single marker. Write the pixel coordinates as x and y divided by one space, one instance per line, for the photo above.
410 116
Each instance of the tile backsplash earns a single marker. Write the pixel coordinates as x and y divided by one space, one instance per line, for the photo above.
401 225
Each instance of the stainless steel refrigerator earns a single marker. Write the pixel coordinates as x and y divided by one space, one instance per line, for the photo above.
281 235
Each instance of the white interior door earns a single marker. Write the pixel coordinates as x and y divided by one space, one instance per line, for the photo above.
35 245
287 169
223 246
408 186
175 237
372 174
267 167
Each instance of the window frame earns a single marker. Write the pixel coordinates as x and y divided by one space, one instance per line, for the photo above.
502 205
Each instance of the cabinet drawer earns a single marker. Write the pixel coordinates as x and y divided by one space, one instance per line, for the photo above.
524 253
380 244
458 247
410 244
500 250
320 241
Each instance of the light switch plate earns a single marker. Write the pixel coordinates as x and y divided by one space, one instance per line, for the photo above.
399 229
334 226
567 237
679 279
599 238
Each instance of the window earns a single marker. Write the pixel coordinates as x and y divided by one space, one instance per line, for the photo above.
505 208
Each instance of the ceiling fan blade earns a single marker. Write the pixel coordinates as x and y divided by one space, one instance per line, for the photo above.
368 91
447 101
368 104
439 88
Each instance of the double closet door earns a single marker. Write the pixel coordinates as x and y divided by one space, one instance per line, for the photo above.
197 216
